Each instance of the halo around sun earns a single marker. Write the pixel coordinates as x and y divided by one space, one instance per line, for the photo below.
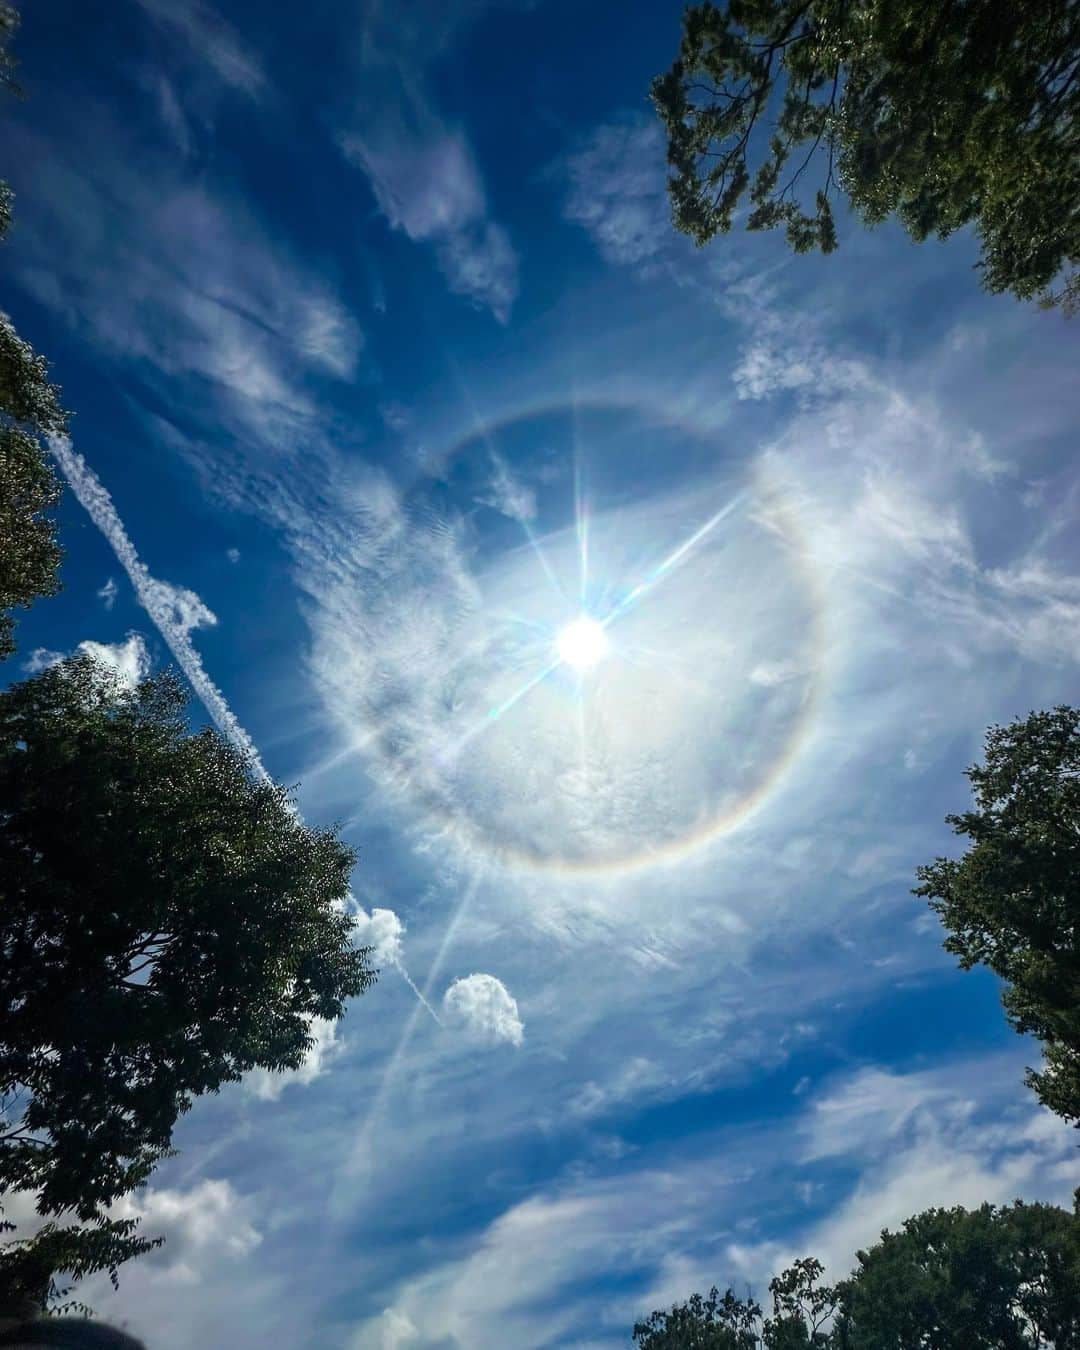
583 643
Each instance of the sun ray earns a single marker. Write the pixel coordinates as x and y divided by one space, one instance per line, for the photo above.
664 568
382 1092
581 524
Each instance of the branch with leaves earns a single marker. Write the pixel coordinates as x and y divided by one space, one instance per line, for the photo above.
943 116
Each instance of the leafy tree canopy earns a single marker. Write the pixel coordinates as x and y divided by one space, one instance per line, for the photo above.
943 115
999 1279
1013 901
29 410
802 1308
166 924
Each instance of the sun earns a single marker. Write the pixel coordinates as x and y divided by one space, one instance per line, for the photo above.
582 644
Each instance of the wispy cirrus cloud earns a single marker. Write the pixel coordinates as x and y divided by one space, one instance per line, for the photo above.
107 594
419 163
427 185
682 1223
212 40
199 304
616 191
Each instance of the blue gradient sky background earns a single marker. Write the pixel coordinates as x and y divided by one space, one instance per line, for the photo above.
362 311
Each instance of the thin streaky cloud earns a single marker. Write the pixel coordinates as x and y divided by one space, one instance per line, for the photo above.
212 40
174 610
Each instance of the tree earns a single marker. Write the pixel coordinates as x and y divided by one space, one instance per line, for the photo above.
943 115
167 923
29 410
998 1279
802 1310
1012 902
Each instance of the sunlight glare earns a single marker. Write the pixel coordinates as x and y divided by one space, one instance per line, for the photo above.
583 643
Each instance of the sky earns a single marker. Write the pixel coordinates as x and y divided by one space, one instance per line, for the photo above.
387 369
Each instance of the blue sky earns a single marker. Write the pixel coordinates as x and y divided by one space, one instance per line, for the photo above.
386 366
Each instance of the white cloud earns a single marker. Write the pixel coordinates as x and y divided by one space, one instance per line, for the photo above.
207 1224
617 191
665 1231
199 303
508 495
325 1048
175 610
397 1330
233 555
212 41
381 930
428 186
485 1008
926 1139
129 659
107 594
41 658
772 673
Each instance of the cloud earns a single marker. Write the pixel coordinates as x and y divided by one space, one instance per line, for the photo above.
507 494
416 657
204 1225
383 931
485 1008
729 1208
212 41
233 555
41 658
617 191
428 186
925 1139
129 659
199 304
397 1330
175 610
107 594
324 1049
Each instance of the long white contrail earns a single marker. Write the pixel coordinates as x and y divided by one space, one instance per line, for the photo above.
174 610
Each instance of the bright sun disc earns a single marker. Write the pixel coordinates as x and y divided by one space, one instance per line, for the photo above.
582 643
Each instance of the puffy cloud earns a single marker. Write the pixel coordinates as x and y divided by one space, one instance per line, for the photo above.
324 1049
485 1008
208 1224
382 930
41 658
129 659
397 1330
